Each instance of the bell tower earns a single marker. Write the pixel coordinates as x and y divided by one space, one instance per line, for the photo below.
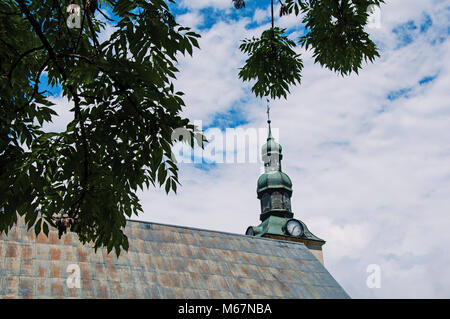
274 190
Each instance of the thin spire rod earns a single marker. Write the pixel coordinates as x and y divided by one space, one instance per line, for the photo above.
268 117
271 3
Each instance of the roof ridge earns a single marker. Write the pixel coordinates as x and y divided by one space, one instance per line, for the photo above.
217 231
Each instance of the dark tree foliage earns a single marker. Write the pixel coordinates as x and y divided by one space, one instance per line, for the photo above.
125 109
272 63
334 31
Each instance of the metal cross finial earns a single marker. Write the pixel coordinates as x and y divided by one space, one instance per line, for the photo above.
268 119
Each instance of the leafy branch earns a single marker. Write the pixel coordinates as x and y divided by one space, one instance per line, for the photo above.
272 62
125 109
334 31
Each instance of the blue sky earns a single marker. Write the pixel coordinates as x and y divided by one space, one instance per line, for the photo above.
368 155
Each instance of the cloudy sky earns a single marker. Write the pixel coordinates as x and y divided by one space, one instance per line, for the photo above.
368 154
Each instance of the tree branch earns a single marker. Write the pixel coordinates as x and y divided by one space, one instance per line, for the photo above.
37 29
81 32
60 16
112 77
105 16
23 55
36 84
94 37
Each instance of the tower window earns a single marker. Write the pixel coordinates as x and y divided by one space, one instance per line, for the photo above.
286 202
277 200
265 203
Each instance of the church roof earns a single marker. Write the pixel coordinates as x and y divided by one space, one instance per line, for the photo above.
163 261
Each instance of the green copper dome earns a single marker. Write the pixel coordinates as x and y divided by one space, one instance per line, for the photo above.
274 180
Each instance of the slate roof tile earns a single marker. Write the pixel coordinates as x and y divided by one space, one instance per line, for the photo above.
163 262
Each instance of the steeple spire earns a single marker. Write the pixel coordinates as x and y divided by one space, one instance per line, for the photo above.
274 187
271 150
274 190
269 120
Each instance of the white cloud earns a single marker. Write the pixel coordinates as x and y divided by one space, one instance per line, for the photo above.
201 4
260 15
210 79
191 19
62 107
106 33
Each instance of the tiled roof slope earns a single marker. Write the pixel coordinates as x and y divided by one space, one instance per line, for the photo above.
163 262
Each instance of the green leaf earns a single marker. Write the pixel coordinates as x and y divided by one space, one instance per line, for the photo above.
45 228
37 227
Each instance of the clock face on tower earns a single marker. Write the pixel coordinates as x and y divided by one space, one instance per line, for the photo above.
294 228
